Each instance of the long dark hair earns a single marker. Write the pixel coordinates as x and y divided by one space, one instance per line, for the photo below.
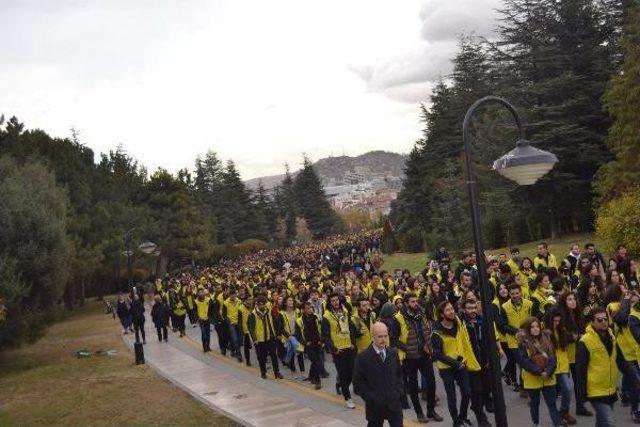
573 319
560 336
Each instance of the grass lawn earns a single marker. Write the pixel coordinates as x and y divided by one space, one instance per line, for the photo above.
45 384
559 247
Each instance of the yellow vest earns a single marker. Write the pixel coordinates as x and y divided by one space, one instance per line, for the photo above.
339 331
263 329
232 310
602 372
562 358
515 317
300 324
626 342
534 382
179 309
364 340
549 263
458 346
203 308
245 317
514 267
539 296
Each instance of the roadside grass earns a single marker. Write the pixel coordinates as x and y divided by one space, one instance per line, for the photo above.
45 384
559 247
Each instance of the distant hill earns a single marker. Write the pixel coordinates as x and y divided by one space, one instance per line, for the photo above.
332 170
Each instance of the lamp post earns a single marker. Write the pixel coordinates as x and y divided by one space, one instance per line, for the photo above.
127 244
524 165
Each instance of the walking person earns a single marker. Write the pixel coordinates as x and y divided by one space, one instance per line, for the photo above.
202 307
243 317
180 314
285 327
561 338
378 380
160 317
455 358
309 335
338 337
124 314
536 357
137 318
597 370
263 335
412 337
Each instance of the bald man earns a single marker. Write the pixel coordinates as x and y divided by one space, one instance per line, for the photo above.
378 379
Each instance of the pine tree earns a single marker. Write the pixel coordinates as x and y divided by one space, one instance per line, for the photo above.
622 102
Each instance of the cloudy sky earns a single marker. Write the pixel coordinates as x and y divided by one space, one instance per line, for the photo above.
257 81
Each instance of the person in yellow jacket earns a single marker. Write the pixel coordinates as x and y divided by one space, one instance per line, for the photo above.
514 312
561 338
230 310
455 358
263 335
339 338
597 367
544 259
243 317
536 356
202 308
363 319
620 311
180 314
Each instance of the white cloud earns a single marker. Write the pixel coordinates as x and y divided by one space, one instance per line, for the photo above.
259 82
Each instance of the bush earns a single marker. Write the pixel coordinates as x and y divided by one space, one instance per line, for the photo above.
618 222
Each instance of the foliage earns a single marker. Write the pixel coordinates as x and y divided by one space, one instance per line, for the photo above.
619 223
355 219
34 248
622 101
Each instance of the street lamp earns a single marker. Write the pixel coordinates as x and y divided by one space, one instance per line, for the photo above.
524 165
127 244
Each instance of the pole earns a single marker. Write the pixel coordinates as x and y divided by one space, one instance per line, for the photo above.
127 243
486 292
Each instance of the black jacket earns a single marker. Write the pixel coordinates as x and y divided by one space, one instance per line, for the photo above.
380 384
160 313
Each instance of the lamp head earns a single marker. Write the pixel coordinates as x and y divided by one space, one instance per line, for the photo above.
525 164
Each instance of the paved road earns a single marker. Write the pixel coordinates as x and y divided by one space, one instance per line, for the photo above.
237 391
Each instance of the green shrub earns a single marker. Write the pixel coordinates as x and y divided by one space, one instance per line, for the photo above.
618 222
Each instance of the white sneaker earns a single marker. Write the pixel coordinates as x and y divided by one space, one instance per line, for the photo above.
350 404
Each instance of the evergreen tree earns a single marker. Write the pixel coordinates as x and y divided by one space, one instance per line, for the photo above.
286 202
622 102
312 202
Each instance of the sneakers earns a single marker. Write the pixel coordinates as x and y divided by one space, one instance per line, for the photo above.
350 404
422 419
318 386
279 376
263 375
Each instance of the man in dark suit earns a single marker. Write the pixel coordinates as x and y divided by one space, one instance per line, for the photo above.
378 379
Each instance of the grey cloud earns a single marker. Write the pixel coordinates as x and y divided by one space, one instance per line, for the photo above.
448 19
409 76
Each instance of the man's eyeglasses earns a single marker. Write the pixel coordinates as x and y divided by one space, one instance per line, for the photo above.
600 319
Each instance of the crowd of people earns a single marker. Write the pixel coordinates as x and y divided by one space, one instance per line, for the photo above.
565 326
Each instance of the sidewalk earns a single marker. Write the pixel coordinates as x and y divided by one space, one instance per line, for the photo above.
237 391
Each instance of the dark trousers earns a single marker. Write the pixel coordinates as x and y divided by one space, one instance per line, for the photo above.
180 323
344 361
193 319
476 381
223 340
314 354
162 332
246 345
450 377
424 366
393 417
510 367
549 395
264 349
234 338
138 327
631 382
205 332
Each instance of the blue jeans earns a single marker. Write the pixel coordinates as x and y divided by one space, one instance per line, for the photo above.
566 389
234 338
205 332
631 382
604 414
291 347
549 395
